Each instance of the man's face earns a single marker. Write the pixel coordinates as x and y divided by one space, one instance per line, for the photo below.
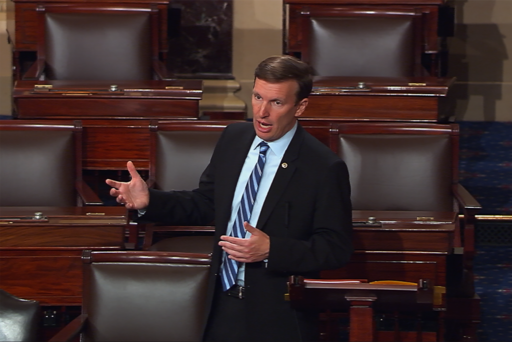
274 108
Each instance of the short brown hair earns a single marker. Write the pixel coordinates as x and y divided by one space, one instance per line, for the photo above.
275 69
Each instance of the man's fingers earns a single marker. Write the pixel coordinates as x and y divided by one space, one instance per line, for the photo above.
113 183
132 170
251 229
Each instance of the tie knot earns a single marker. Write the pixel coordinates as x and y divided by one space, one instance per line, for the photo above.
263 147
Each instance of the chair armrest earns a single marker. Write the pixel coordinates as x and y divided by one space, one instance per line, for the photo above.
87 196
466 200
36 71
469 206
161 71
70 331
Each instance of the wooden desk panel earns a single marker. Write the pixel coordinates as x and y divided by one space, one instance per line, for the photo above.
43 107
393 266
40 259
381 99
53 277
401 245
155 99
109 144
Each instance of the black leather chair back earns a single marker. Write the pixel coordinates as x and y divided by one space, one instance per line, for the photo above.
399 172
37 165
145 296
19 318
182 156
362 46
408 169
98 46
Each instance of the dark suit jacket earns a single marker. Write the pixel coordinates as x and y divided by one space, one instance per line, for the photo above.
307 214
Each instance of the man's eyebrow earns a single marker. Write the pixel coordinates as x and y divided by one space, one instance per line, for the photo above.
271 100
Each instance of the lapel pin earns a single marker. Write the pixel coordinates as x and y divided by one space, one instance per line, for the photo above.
284 165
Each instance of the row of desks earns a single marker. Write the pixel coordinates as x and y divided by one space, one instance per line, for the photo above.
116 117
41 247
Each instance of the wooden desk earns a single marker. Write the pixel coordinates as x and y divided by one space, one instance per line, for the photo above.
143 99
405 246
40 259
116 123
420 99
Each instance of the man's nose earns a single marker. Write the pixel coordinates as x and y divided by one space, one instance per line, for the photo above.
263 109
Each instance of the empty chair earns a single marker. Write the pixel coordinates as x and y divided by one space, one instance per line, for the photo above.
19 318
41 164
88 43
141 296
180 151
406 167
359 41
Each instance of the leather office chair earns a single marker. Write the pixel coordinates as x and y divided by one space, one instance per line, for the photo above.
180 151
406 167
41 164
378 41
19 318
413 167
141 296
103 43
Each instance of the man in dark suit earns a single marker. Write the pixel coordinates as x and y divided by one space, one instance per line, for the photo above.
300 223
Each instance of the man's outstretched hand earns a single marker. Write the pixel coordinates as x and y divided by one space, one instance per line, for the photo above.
133 194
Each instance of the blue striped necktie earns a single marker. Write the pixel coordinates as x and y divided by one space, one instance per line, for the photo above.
229 269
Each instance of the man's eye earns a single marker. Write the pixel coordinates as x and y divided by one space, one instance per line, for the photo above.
257 97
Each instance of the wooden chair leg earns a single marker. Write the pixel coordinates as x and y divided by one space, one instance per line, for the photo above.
362 323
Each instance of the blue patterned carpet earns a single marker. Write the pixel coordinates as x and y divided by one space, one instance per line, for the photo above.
486 164
486 171
493 283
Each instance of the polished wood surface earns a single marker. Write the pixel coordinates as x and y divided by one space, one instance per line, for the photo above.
362 299
400 245
416 247
111 143
41 248
381 99
97 99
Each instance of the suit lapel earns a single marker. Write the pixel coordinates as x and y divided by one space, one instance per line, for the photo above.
282 178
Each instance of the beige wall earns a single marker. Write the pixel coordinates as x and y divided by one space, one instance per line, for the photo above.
257 34
480 54
481 59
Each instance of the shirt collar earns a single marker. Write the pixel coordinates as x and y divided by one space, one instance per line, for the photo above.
279 146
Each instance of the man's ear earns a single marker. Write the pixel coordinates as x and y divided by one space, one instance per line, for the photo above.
301 107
